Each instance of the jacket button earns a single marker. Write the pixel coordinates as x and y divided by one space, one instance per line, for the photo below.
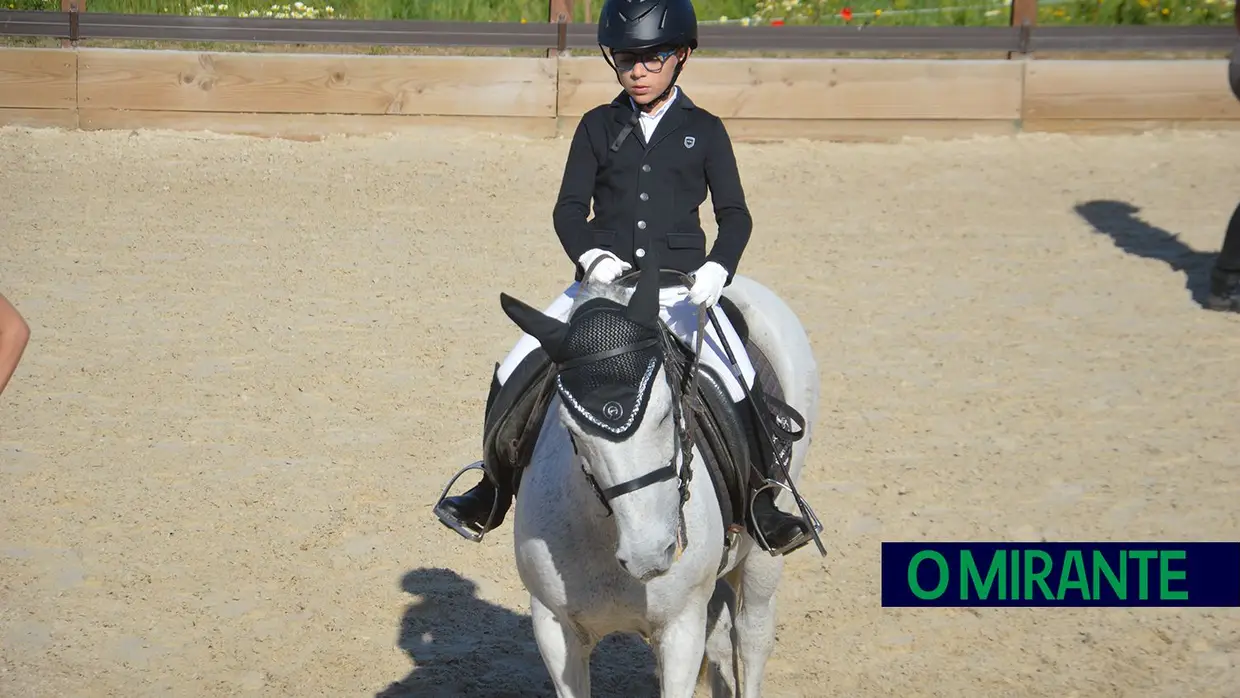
645 168
640 252
644 196
641 225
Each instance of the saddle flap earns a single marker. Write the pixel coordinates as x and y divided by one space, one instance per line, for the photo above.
515 420
724 444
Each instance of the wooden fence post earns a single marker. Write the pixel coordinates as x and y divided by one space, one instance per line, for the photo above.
71 6
1025 15
560 12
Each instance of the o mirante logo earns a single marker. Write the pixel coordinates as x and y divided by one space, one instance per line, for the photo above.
1061 574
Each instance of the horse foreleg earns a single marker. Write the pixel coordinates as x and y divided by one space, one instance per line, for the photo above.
565 655
679 648
721 662
755 624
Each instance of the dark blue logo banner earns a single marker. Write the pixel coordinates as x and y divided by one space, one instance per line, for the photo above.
1061 574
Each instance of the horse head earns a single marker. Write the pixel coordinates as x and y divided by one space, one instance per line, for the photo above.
618 375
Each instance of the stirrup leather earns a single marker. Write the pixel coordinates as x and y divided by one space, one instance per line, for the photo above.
467 532
807 514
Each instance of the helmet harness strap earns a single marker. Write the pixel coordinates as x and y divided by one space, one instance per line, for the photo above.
675 74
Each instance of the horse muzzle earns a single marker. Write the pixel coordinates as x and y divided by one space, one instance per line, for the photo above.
645 567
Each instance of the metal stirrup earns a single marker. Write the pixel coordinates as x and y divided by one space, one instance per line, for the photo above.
451 522
795 543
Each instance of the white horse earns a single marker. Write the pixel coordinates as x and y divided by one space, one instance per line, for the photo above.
641 558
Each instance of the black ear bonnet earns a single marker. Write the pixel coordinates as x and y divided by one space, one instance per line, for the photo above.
609 368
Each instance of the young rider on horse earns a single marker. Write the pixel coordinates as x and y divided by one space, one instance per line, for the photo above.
646 160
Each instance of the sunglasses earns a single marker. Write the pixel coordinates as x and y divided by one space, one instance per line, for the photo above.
652 62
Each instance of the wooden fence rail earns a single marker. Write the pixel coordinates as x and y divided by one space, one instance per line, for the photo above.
314 95
563 36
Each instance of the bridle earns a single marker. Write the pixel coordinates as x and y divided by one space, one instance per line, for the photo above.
678 467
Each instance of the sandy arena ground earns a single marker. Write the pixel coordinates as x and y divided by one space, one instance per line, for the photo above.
255 363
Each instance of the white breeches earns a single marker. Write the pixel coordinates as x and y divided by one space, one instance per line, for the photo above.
681 317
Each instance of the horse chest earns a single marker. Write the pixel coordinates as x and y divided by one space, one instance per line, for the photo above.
623 610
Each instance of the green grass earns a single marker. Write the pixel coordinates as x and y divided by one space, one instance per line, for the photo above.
992 12
1148 12
878 12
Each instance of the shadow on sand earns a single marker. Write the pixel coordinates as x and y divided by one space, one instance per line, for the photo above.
1119 221
461 645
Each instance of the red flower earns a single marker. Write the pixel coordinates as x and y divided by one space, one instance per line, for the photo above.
777 22
846 13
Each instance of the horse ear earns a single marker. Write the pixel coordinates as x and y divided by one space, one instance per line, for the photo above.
547 330
644 304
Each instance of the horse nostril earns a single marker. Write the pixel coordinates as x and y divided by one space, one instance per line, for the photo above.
623 563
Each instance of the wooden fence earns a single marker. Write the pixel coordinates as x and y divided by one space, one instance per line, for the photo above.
307 96
312 95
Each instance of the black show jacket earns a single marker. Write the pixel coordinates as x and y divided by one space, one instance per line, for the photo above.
646 195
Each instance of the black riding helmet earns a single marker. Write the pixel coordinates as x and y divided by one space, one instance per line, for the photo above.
636 25
642 25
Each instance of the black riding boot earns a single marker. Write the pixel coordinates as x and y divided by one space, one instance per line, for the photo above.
1224 290
508 401
1225 274
778 528
473 509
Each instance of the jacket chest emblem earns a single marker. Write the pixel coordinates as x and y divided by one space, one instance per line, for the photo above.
689 141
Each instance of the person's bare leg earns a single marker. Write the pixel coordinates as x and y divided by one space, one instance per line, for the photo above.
14 334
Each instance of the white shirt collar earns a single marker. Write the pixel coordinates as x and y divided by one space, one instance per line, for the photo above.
650 121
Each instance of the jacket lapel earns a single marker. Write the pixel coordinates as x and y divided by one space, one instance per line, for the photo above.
674 118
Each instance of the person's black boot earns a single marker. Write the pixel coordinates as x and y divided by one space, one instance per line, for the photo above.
1224 290
778 531
470 513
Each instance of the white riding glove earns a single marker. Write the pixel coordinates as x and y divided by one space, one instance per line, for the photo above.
607 270
708 283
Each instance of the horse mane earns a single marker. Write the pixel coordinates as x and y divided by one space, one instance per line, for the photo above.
617 293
